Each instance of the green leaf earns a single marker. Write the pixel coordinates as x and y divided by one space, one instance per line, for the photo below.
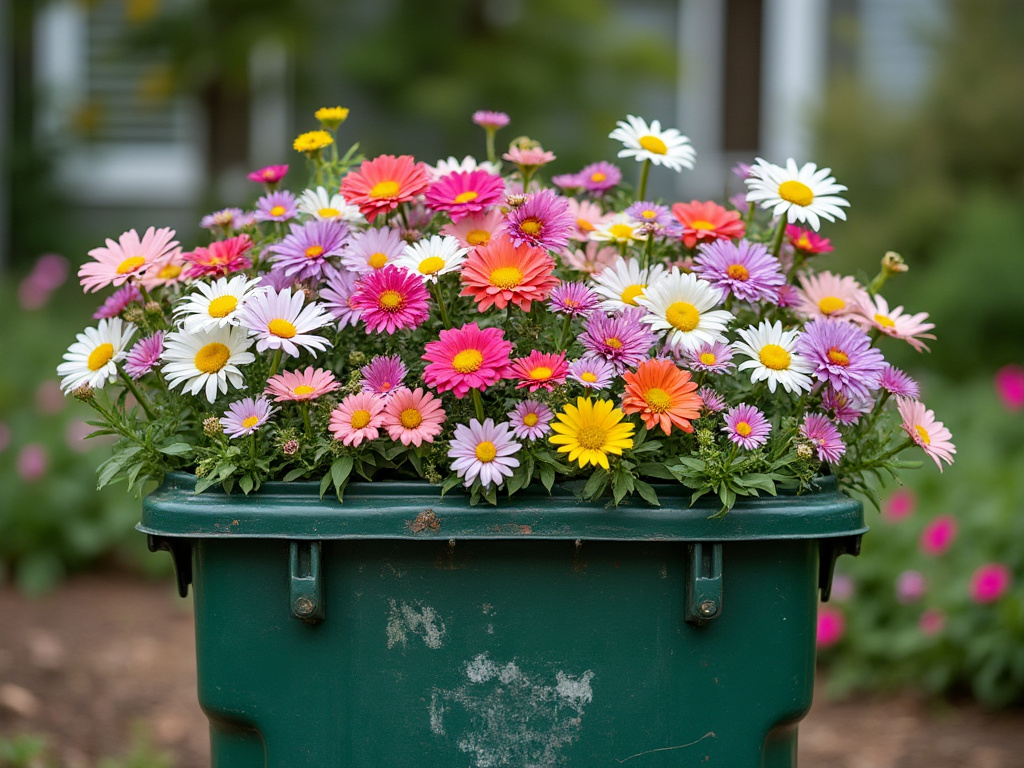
596 484
176 449
108 471
246 484
547 476
340 470
325 483
647 492
655 469
295 474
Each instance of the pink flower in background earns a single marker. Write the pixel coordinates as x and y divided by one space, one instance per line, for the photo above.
937 537
831 626
5 436
910 586
48 274
900 505
493 120
529 157
478 229
931 622
49 398
1010 386
842 587
33 462
76 437
990 582
269 175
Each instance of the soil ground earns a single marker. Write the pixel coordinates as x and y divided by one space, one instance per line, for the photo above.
89 662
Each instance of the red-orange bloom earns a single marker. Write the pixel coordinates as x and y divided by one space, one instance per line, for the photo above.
704 222
499 273
381 184
662 394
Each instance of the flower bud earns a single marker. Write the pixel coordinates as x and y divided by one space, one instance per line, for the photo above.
805 451
290 447
212 426
893 263
331 117
357 358
153 308
85 393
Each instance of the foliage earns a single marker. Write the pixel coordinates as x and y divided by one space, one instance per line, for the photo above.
34 751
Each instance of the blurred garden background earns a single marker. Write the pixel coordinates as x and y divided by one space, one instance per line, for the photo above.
118 114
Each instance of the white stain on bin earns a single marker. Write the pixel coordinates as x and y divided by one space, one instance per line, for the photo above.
422 620
514 720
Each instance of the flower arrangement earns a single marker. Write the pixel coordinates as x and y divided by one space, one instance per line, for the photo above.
469 325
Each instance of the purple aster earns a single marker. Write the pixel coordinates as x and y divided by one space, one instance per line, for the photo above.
844 410
246 416
383 374
337 296
493 120
573 299
304 252
841 354
826 438
742 170
715 357
276 280
746 426
600 177
372 249
224 219
651 213
483 450
592 372
622 339
745 269
530 420
144 356
568 182
543 220
117 301
787 296
277 206
713 402
896 382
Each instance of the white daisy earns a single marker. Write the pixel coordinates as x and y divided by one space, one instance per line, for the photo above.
619 229
322 204
465 165
669 147
206 360
772 357
281 322
624 282
217 304
681 303
434 257
94 356
803 194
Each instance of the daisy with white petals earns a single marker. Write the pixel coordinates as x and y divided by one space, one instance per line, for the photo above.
433 257
623 283
281 322
802 194
649 142
207 361
217 304
322 204
773 357
683 305
94 356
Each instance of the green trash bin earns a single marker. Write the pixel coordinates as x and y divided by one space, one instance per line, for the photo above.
405 630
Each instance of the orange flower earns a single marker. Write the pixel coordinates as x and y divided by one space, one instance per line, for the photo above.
662 394
705 222
381 184
499 273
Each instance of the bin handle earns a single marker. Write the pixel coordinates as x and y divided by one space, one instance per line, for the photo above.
703 582
306 584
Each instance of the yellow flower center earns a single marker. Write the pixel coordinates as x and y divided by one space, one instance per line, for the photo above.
468 360
486 451
531 419
803 243
630 293
589 376
830 305
598 177
390 301
540 373
743 429
385 189
657 399
613 342
591 437
701 224
130 265
360 418
923 434
411 418
506 278
648 214
222 306
738 272
100 356
620 231
431 265
250 421
584 225
478 237
837 356
303 389
313 251
653 144
682 316
775 357
277 210
212 357
885 321
328 213
708 358
169 272
281 328
796 192
377 260
531 226
466 197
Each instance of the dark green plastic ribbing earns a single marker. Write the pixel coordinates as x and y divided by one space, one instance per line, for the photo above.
406 630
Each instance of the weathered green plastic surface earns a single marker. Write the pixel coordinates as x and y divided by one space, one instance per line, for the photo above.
544 634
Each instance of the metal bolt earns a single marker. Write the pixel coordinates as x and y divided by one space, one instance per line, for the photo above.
303 606
708 608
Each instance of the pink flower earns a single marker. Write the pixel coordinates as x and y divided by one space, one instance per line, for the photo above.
220 258
540 370
145 355
383 375
117 302
305 385
807 241
382 184
413 416
467 358
357 418
492 120
128 257
937 537
931 622
929 434
900 505
543 221
391 298
462 194
830 296
485 451
589 216
33 462
593 259
269 175
476 230
530 157
826 438
1010 387
990 582
910 587
875 314
831 626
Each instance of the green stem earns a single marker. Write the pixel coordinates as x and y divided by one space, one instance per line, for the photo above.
750 213
138 395
648 252
275 361
564 333
491 156
642 188
527 171
146 298
777 240
252 448
304 405
478 404
441 306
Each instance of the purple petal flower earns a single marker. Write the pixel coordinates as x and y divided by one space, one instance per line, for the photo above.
337 297
713 402
746 426
118 301
544 221
715 357
483 450
622 339
304 252
896 382
277 206
530 420
246 416
600 177
144 356
841 354
745 269
383 375
573 299
592 372
826 438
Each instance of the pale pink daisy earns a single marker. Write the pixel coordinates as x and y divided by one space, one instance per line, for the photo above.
530 420
933 438
826 438
356 418
875 313
589 216
485 451
127 258
413 417
491 120
713 357
593 259
279 321
383 375
390 299
830 296
476 230
373 249
245 416
528 157
301 385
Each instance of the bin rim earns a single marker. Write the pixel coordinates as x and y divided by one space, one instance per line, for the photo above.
409 509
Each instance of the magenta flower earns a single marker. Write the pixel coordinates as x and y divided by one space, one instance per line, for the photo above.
911 586
337 297
831 626
301 385
573 299
33 461
246 416
303 253
896 382
1009 383
467 358
462 194
826 438
356 418
938 536
528 157
622 339
268 175
144 356
493 120
277 206
744 269
841 354
383 375
118 301
990 582
391 298
219 258
843 409
746 426
713 402
568 182
543 221
592 372
714 357
530 420
539 370
600 177
806 241
900 505
485 451
413 417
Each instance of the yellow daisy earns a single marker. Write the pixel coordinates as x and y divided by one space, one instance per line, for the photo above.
331 117
313 141
589 431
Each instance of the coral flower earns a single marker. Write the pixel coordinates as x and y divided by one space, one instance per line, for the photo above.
219 258
705 222
301 385
391 298
929 434
662 394
467 358
461 194
589 431
382 184
413 417
126 258
540 369
356 418
500 272
543 220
